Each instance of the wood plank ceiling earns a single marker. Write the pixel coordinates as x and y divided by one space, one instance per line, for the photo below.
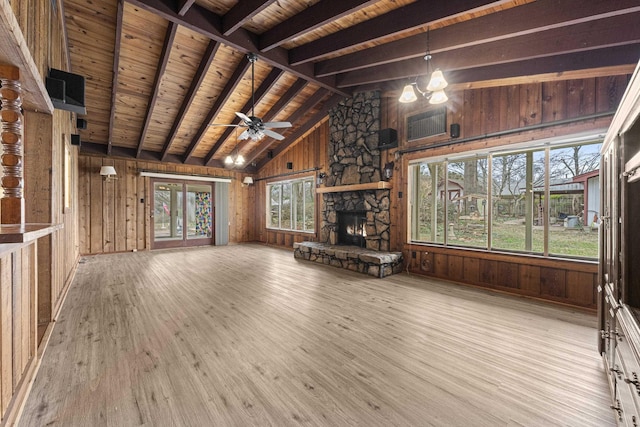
159 72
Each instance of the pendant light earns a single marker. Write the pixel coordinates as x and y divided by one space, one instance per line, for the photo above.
435 88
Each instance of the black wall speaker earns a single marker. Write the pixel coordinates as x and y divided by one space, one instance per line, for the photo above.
55 88
387 138
454 130
75 139
66 90
289 165
270 154
81 123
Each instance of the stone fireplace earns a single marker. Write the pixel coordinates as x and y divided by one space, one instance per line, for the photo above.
354 158
356 218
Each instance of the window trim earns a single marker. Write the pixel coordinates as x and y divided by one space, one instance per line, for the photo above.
310 178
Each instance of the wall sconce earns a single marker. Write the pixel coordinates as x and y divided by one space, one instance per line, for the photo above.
247 181
388 171
108 173
321 177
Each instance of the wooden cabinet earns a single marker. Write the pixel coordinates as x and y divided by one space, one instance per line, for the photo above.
619 267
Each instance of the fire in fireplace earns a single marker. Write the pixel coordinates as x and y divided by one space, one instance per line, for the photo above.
351 228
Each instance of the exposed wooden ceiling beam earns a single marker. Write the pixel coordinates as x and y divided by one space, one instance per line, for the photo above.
170 37
130 153
217 106
262 90
309 104
409 17
288 96
242 12
575 38
116 66
308 20
184 6
526 19
557 65
301 130
209 24
606 62
201 73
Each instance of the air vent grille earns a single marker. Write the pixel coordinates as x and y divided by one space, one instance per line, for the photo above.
429 123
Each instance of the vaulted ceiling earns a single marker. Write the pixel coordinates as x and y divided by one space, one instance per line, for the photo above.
160 72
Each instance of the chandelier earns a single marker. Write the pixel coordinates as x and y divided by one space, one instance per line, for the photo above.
234 158
435 88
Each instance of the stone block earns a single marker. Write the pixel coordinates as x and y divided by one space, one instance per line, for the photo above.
341 254
374 270
386 271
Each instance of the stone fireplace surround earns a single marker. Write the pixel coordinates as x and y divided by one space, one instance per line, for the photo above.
354 160
375 203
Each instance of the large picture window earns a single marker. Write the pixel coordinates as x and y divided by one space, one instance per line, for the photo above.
290 205
542 200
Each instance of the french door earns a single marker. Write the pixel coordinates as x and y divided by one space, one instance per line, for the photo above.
183 213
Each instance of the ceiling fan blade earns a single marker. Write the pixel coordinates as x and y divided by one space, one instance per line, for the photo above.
244 117
277 125
217 124
273 135
244 135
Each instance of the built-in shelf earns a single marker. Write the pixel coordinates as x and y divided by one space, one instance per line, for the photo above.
20 233
380 185
14 52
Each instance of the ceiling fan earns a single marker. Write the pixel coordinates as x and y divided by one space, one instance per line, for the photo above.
256 128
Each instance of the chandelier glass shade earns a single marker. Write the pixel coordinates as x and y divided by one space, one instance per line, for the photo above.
434 91
234 158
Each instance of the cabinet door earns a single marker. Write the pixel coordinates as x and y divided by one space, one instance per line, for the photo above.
609 241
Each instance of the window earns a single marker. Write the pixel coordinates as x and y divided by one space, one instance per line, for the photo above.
543 200
290 205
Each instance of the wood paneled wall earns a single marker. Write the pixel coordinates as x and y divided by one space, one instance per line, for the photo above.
18 329
309 153
499 116
562 281
114 215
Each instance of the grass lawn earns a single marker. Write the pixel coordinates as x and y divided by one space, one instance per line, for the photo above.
507 236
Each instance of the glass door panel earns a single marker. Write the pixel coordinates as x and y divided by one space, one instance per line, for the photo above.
167 211
199 203
182 214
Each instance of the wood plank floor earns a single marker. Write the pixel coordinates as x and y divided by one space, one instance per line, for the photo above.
247 335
